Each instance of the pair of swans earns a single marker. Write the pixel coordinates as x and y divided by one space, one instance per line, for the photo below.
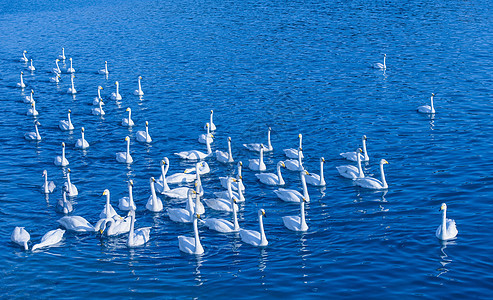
427 109
105 70
223 202
206 137
290 195
225 157
255 238
143 136
66 125
48 186
61 161
195 154
69 187
138 91
125 157
82 143
116 95
21 237
98 98
110 222
353 155
295 164
447 229
271 178
21 84
127 203
71 89
258 164
31 67
373 183
222 225
34 135
350 171
293 152
186 215
128 121
32 111
235 184
258 146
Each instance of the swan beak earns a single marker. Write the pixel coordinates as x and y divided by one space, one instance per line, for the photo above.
385 162
233 179
241 177
283 165
185 172
364 137
234 200
163 161
127 109
241 164
264 214
153 179
304 199
361 151
131 182
82 129
69 170
147 123
212 135
198 216
100 231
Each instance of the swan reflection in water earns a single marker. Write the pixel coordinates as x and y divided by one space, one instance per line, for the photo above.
444 259
262 261
196 272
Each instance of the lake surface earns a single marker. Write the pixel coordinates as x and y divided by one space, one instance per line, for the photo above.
296 66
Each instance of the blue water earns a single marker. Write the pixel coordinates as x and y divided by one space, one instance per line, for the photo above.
296 66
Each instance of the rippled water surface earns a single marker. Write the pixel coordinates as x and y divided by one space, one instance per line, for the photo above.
296 66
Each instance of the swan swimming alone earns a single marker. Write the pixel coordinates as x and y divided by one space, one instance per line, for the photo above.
296 223
125 157
191 245
66 124
154 203
76 223
24 58
48 186
50 238
195 154
34 135
203 138
258 164
57 69
290 195
98 98
98 111
447 229
295 164
143 136
380 65
105 70
61 161
31 67
350 171
211 122
138 91
271 178
257 146
71 68
427 109
64 205
373 183
293 152
21 237
127 203
253 237
21 84
62 56
82 143
32 111
116 95
128 121
317 179
71 89
352 155
225 157
69 187
137 237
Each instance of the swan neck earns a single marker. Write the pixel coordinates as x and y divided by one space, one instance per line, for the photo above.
230 154
82 133
130 196
189 204
360 169
198 246
432 107
235 217
117 89
263 239
63 156
164 171
269 145
364 150
128 149
131 232
129 115
239 170
69 183
305 189
38 136
383 176
300 152
322 179
261 160
140 88
444 221
99 94
302 216
108 205
197 203
153 193
208 144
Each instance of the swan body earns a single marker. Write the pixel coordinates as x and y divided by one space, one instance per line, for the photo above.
295 164
143 136
373 183
447 229
139 92
137 237
195 154
125 157
82 143
48 186
177 193
32 111
108 211
352 155
191 245
24 58
116 95
237 196
290 195
127 203
62 56
296 223
76 223
57 69
181 215
271 178
225 157
128 121
201 167
98 111
253 237
98 98
206 137
293 152
211 123
61 161
69 187
55 78
427 109
66 124
71 89
235 184
257 164
31 67
105 70
196 207
33 136
50 238
350 171
223 204
222 225
113 227
316 179
71 69
21 237
154 204
161 183
380 65
257 146
21 84
64 205
30 98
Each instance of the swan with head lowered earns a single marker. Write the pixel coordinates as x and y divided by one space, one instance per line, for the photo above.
139 236
271 178
253 237
71 68
203 138
77 224
98 111
48 186
125 157
427 109
290 195
71 89
104 71
69 187
82 143
61 161
293 152
317 179
211 123
350 171
295 164
202 167
296 223
34 135
257 146
128 121
221 225
373 183
127 203
64 205
447 229
257 164
222 204
380 65
98 98
181 215
138 91
31 67
24 58
50 238
143 136
235 184
66 124
154 204
352 155
21 84
30 98
225 157
116 95
32 111
21 237
191 245
195 154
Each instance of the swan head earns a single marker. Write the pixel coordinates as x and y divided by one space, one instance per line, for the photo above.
127 139
32 104
131 182
140 77
69 111
240 163
300 135
106 192
322 159
443 207
229 139
45 172
212 111
364 137
301 149
105 62
147 123
261 212
207 124
128 109
116 82
385 55
37 122
152 179
303 199
384 162
22 73
163 162
70 59
82 129
57 60
100 87
25 51
63 145
68 170
281 163
32 91
270 129
433 94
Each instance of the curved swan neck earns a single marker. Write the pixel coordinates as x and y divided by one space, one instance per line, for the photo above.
383 176
384 65
38 136
164 171
69 183
263 238
105 67
72 82
147 131
153 193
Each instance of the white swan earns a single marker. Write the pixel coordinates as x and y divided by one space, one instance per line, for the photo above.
139 92
21 237
98 111
31 67
82 143
98 98
257 146
257 164
191 245
71 89
161 183
76 223
55 78
222 225
293 152
183 215
69 187
128 121
181 192
222 204
271 178
66 124
195 154
24 58
125 157
30 98
427 109
108 211
447 230
253 237
185 177
57 69
116 95
71 69
62 56
138 237
350 171
21 84
127 203
48 186
50 238
32 111
296 223
34 135
290 195
113 227
316 179
143 136
225 157
203 138
202 167
352 155
105 70
61 161
238 196
295 164
373 183
234 183
211 123
154 204
196 207
64 205
380 65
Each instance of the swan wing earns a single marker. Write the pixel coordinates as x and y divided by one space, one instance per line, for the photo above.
289 195
268 178
186 244
292 222
293 165
369 183
179 215
251 237
219 225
